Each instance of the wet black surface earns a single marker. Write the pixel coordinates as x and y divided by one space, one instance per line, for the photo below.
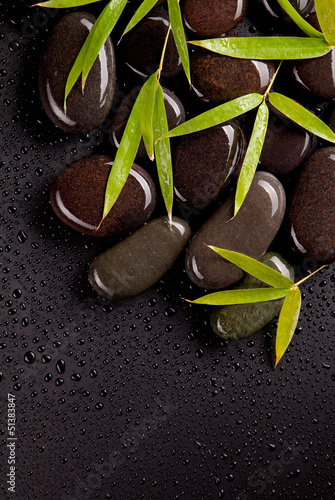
137 399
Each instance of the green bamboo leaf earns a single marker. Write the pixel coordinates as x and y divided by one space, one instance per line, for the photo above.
147 113
217 115
125 156
64 4
271 47
325 10
255 268
300 21
301 116
288 321
141 12
179 35
252 156
96 38
163 151
248 296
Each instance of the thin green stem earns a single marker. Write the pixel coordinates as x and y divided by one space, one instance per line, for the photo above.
163 53
272 82
307 277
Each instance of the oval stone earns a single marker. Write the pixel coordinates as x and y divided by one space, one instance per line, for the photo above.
139 261
175 114
142 47
213 18
250 232
204 162
77 197
312 214
286 146
317 75
220 78
243 320
276 12
85 111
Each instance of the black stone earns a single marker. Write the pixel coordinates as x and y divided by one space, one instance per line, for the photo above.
317 75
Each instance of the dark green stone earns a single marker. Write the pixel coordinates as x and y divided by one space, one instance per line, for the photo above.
242 320
138 262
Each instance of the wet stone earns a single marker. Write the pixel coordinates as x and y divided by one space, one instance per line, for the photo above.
286 146
250 232
142 47
312 214
175 113
205 161
86 111
219 78
213 18
317 75
77 197
275 12
139 261
243 320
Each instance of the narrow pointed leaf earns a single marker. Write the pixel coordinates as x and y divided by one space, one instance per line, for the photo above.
301 116
147 113
63 4
217 115
270 47
125 156
299 21
288 321
249 296
255 268
179 35
163 151
325 10
253 153
141 12
97 37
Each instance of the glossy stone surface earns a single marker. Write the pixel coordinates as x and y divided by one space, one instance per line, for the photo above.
317 75
205 161
213 18
85 111
175 113
219 78
286 146
139 261
275 12
77 197
250 232
312 213
142 47
243 320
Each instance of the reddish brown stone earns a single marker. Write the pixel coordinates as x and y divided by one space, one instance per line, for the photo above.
317 75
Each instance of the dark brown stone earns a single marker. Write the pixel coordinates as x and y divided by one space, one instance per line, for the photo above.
77 197
286 146
312 213
142 47
135 264
175 113
213 18
84 111
250 232
219 78
317 75
204 162
275 11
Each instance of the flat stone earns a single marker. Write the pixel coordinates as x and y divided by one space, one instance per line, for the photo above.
250 233
142 47
243 320
317 75
286 146
205 161
77 197
138 262
175 114
312 213
220 78
213 18
86 111
276 12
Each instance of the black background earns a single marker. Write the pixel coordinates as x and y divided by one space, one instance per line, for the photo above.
150 403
